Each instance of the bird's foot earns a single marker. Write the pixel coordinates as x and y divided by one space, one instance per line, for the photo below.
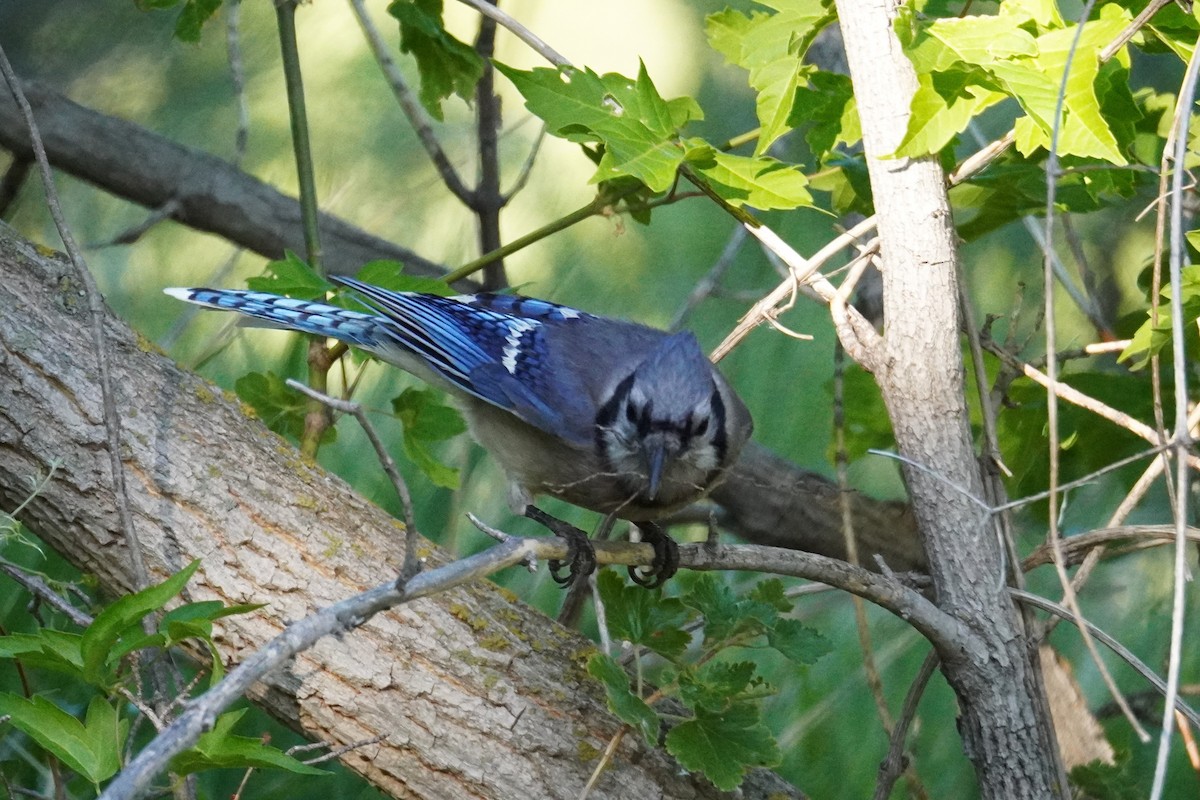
581 556
666 557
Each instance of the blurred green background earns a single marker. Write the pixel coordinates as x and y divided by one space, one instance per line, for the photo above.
109 56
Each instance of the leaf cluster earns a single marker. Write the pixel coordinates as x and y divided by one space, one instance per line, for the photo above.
716 680
105 656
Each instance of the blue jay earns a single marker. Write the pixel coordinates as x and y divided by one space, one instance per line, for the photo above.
616 417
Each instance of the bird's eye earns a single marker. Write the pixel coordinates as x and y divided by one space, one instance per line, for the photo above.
702 426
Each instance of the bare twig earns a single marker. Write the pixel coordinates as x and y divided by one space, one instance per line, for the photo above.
803 271
605 758
112 420
527 167
237 76
1049 264
43 591
409 104
1130 537
333 752
893 763
1182 438
705 286
412 564
1109 642
524 34
1075 397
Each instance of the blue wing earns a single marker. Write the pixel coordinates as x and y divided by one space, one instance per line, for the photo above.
492 347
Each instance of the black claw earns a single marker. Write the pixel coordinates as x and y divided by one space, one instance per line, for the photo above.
581 556
666 558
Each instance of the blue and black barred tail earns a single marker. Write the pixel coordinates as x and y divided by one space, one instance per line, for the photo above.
321 319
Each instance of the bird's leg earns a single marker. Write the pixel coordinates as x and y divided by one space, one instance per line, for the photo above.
666 557
581 556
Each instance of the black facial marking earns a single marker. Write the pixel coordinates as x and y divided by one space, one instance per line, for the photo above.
606 417
645 421
720 440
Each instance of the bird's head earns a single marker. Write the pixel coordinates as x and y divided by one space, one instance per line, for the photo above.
666 421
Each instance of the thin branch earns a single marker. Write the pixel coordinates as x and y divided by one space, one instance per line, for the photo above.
803 271
346 615
237 76
166 211
1136 537
1110 642
524 34
1182 437
893 763
409 104
412 564
487 199
43 591
334 752
707 284
527 167
1072 395
112 420
1049 263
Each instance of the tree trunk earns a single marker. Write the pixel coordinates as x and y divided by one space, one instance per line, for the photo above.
479 695
919 369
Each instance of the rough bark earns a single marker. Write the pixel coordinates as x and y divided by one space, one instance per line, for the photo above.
767 500
479 695
919 369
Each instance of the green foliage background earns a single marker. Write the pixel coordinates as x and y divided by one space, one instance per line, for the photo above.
370 170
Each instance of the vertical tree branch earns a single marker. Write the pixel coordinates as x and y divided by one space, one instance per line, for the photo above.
488 200
317 418
920 375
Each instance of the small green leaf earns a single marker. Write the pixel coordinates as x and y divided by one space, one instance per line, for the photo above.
447 66
427 420
797 641
717 685
637 127
827 105
390 275
46 648
291 276
941 108
1147 340
1099 781
723 746
91 748
770 591
759 181
220 748
195 13
725 616
279 406
644 617
121 620
771 46
629 708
